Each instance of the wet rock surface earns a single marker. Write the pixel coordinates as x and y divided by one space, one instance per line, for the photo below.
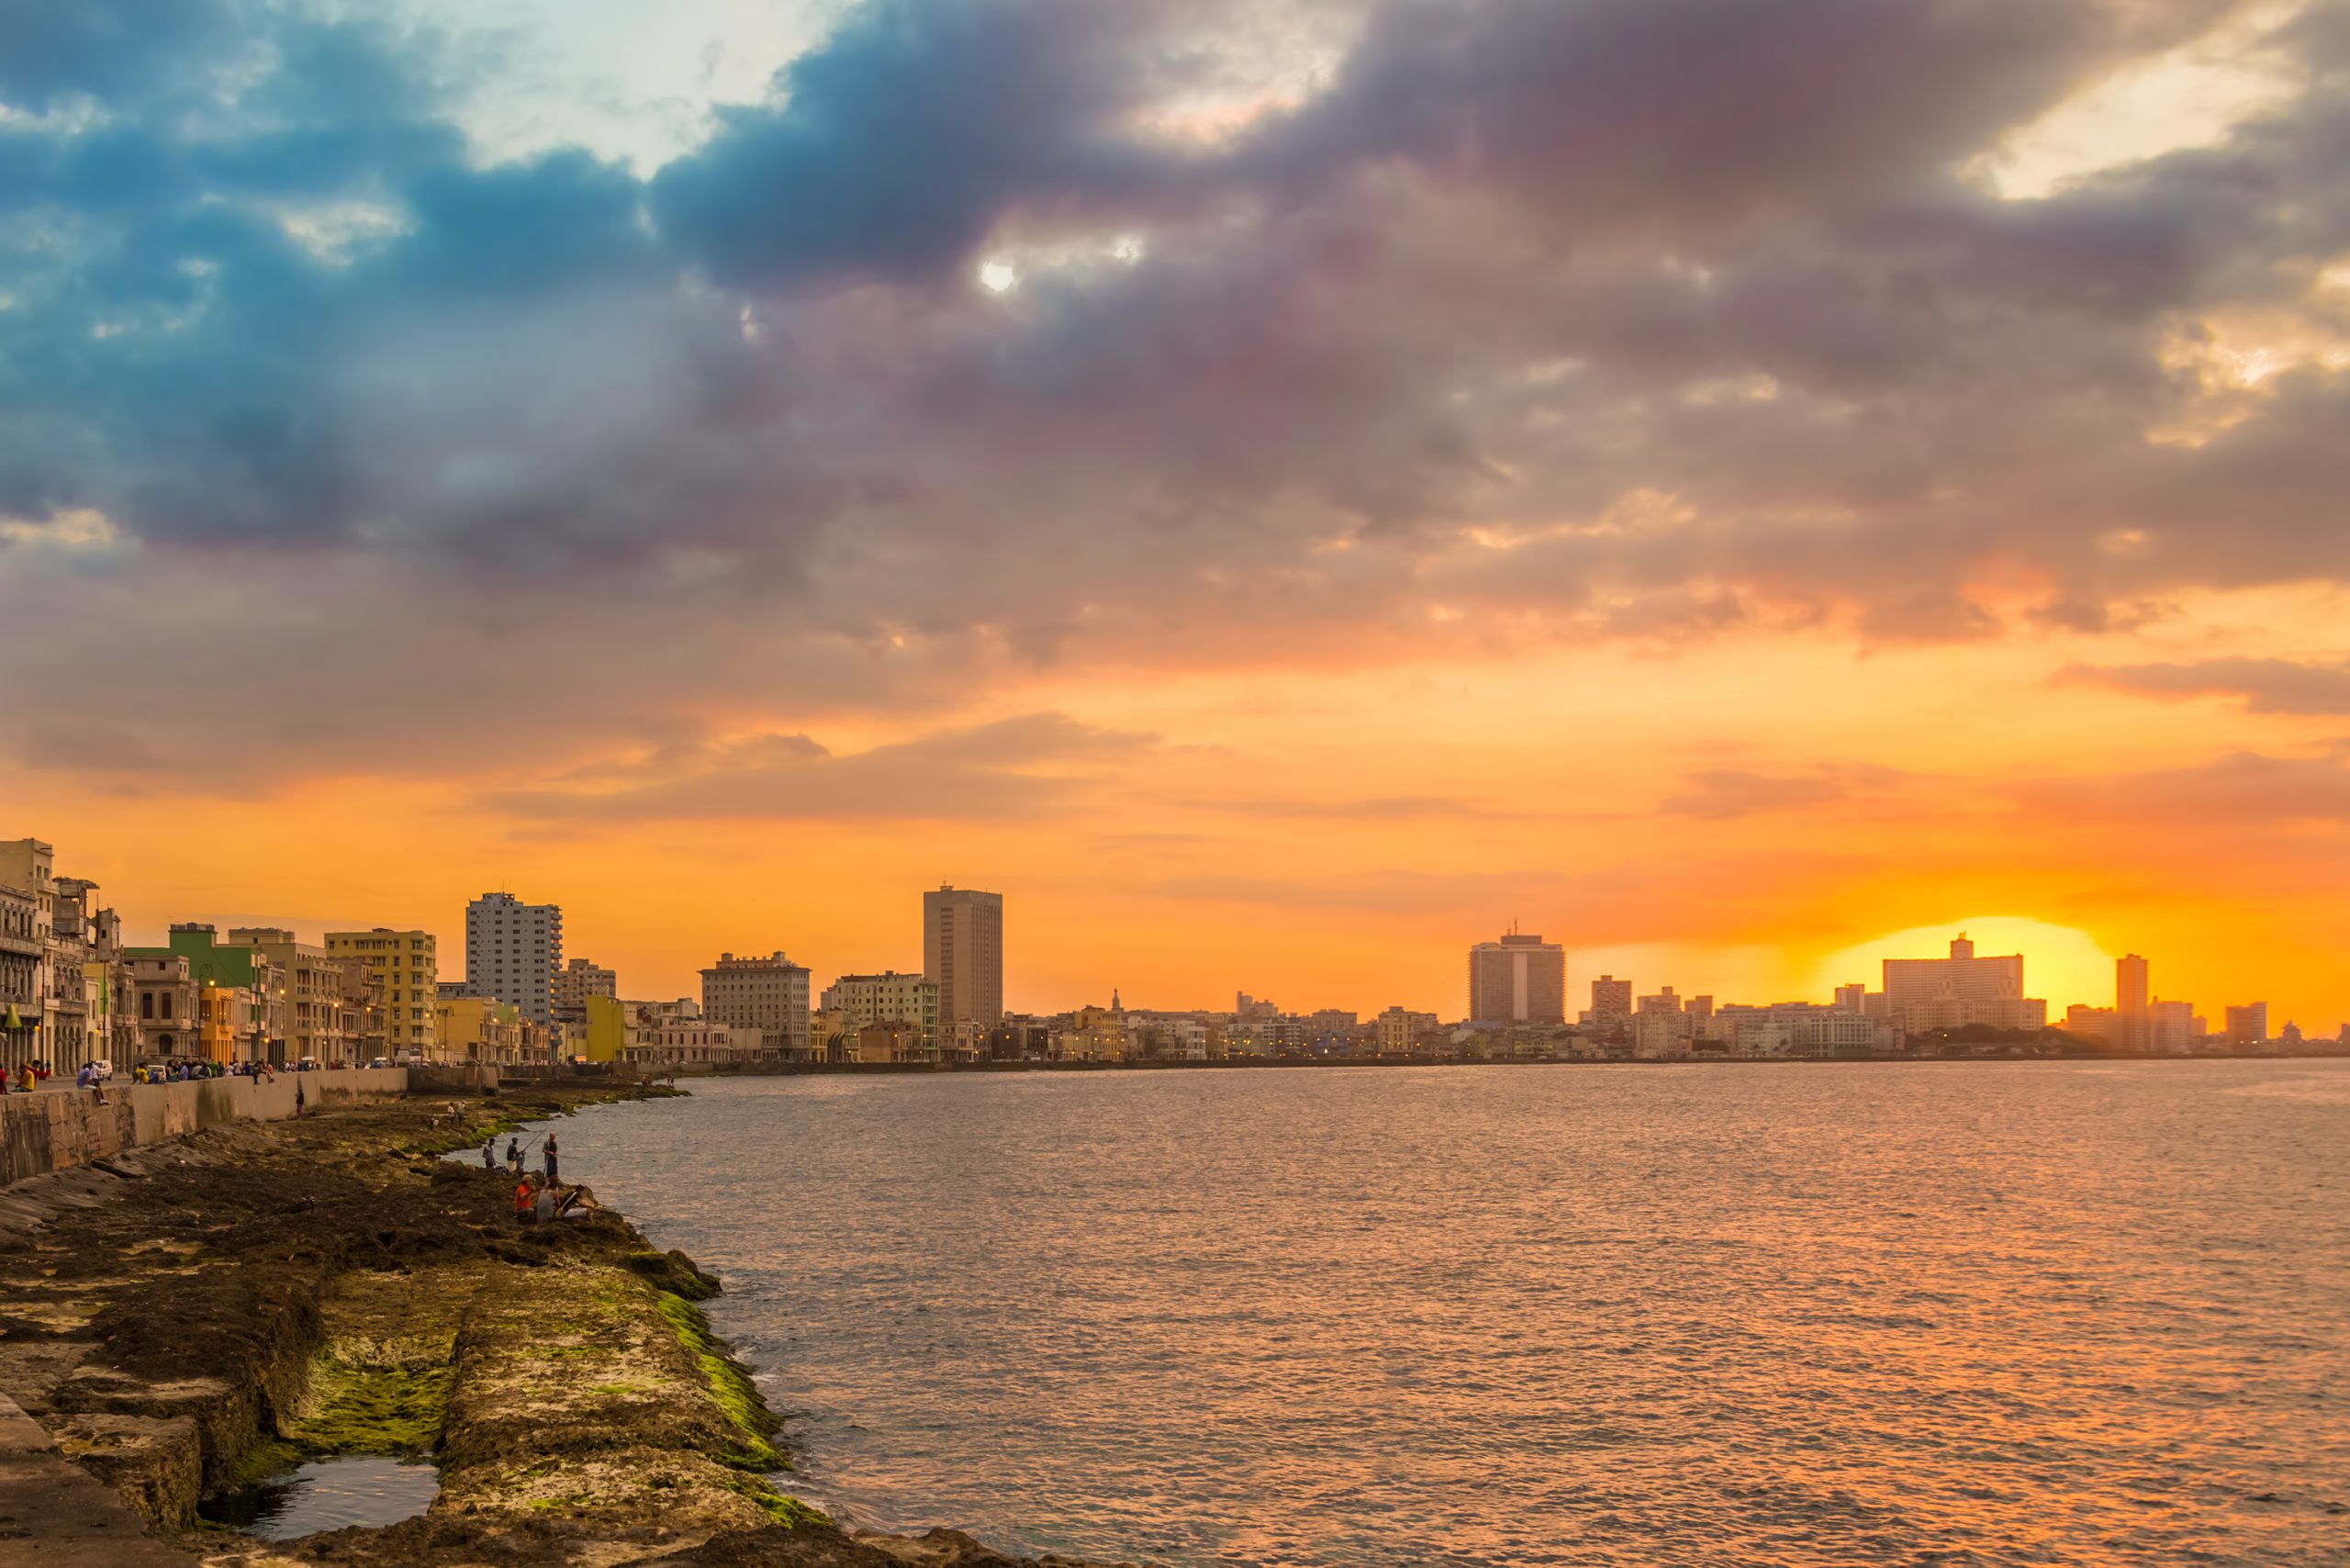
221 1309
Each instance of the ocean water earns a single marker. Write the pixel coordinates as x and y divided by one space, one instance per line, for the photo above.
1758 1315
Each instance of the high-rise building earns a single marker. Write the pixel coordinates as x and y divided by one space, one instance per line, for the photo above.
1518 980
2248 1026
513 951
1853 998
1961 990
403 980
580 979
764 1002
2130 1002
1611 1004
962 953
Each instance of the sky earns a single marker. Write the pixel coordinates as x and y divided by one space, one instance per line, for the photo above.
1281 491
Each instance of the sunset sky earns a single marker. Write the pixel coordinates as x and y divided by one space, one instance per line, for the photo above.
1279 490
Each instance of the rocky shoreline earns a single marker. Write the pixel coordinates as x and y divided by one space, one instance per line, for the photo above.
220 1308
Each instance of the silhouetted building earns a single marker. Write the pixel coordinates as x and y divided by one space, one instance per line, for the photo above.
1518 980
962 953
2130 1002
1922 995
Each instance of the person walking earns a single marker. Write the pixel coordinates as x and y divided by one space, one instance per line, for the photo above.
550 1159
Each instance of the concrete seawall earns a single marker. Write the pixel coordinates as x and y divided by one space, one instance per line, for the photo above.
57 1129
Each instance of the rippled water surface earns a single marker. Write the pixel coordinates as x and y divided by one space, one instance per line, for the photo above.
1997 1313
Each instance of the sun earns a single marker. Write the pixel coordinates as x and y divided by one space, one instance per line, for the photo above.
2062 963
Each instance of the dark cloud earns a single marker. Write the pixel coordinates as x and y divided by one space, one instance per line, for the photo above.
1621 318
2264 686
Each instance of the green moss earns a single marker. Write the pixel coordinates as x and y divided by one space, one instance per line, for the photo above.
573 1500
783 1509
357 1408
728 1385
263 1460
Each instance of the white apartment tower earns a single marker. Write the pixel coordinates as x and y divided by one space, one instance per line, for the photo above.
962 953
513 952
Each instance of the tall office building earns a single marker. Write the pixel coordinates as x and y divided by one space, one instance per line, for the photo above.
763 997
1611 1002
962 953
1518 980
2248 1025
513 952
403 971
2130 1002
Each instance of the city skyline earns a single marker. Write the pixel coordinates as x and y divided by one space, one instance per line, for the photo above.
1917 947
1272 530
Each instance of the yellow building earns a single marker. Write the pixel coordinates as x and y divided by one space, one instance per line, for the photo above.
474 1028
608 1030
404 965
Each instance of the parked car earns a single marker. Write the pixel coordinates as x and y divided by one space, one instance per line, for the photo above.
307 1064
101 1070
381 1061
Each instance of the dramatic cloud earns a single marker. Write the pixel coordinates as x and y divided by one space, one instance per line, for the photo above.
2265 686
1149 363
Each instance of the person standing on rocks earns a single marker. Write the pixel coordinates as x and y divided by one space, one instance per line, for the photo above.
550 1159
299 1098
514 1155
489 1152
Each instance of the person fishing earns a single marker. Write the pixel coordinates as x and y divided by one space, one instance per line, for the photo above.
523 1205
551 1158
514 1155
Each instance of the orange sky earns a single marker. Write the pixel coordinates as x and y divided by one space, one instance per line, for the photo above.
1722 819
1282 493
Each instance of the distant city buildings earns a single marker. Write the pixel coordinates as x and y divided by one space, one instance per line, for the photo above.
962 953
513 952
262 993
1518 980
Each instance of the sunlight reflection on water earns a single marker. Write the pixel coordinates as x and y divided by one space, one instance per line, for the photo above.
1766 1314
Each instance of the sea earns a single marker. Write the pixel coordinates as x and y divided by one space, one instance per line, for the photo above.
1756 1314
